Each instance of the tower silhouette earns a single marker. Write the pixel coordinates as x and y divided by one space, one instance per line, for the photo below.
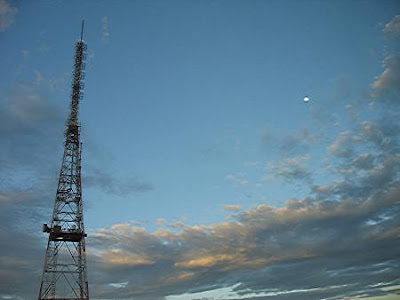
64 273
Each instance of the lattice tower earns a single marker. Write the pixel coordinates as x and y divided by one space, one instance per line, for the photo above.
64 273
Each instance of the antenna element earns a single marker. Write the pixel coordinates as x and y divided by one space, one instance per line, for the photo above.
83 25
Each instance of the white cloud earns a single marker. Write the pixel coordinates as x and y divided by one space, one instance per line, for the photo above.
393 27
390 77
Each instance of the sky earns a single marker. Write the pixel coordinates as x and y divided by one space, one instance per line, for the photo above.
205 174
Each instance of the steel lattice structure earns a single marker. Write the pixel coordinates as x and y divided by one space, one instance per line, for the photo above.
65 273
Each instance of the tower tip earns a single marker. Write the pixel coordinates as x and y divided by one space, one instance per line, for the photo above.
83 24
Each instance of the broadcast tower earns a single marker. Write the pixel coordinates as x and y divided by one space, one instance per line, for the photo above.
64 273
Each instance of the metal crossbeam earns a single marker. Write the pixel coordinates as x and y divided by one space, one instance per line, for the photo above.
64 273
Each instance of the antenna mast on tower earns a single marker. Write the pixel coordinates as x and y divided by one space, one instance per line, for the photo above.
64 273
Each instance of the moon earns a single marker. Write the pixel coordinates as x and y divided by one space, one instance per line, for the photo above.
306 99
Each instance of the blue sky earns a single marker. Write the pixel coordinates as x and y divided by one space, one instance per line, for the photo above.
198 150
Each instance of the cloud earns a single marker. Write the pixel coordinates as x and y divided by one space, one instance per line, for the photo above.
307 249
21 244
367 160
161 221
345 235
364 161
28 134
296 142
353 112
205 261
31 128
293 143
108 183
369 180
7 15
339 242
393 27
105 29
382 134
379 135
264 250
292 168
237 180
126 259
31 139
389 80
342 146
233 208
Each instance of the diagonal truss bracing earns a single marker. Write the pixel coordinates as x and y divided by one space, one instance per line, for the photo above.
64 272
